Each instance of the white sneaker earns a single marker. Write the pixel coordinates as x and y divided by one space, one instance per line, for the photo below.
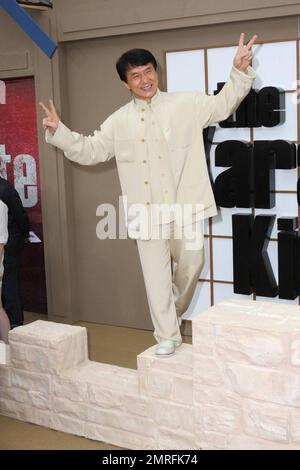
165 348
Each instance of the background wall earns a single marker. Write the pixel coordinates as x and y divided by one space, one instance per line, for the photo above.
208 67
89 279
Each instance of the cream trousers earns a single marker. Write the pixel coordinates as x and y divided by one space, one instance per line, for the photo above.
169 294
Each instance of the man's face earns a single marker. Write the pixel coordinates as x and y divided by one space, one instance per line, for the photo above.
142 81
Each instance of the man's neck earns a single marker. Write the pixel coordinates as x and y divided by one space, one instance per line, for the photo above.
139 100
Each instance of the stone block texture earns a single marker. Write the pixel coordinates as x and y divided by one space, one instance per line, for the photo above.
236 387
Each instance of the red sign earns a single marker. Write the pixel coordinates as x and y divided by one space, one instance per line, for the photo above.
19 164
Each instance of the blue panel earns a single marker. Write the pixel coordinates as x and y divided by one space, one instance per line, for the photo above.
34 31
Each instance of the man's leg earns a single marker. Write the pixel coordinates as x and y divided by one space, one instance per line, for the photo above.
156 265
11 294
190 257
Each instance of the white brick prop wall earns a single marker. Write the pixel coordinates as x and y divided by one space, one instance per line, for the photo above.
237 387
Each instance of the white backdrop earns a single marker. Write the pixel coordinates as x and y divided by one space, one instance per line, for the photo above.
276 65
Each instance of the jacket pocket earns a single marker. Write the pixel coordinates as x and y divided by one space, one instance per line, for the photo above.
124 150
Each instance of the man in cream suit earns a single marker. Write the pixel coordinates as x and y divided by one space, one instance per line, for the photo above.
158 145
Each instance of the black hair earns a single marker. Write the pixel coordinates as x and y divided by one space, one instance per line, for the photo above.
134 58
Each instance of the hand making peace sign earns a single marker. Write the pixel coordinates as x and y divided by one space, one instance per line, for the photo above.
244 53
51 121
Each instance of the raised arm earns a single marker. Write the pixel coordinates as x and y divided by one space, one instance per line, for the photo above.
86 150
216 108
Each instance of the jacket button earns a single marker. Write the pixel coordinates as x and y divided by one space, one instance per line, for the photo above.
144 161
143 140
146 182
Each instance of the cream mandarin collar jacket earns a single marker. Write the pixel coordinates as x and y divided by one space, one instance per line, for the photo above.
181 117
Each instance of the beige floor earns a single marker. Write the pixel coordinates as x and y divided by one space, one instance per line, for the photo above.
109 344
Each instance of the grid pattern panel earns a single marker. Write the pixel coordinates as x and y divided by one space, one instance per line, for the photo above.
216 283
178 63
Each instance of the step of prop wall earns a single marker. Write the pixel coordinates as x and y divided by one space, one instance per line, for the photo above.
237 387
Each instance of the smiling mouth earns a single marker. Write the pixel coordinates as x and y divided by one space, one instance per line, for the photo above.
147 88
